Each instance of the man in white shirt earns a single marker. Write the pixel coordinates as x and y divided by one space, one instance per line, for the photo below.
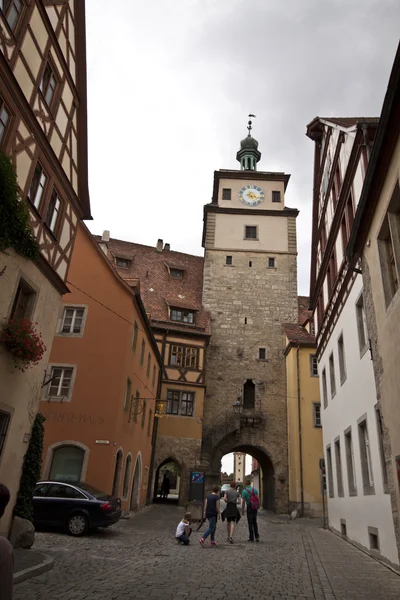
6 553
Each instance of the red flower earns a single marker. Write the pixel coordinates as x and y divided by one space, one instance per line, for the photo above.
23 341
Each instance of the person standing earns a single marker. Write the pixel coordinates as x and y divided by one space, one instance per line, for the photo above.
165 486
231 513
251 500
6 553
212 512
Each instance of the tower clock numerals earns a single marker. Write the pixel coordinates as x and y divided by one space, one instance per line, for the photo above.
251 195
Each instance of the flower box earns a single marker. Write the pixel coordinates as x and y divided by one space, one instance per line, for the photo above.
23 341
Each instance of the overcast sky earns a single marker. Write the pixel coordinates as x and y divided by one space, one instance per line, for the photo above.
171 83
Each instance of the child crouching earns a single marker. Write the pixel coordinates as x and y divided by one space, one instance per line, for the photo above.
184 530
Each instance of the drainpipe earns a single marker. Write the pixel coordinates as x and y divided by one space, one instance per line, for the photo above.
300 434
150 489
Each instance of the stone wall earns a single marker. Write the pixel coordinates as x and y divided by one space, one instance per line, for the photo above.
248 303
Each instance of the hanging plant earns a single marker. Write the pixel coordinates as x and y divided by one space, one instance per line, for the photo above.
15 226
23 341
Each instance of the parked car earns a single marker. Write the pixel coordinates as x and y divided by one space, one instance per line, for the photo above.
78 507
224 489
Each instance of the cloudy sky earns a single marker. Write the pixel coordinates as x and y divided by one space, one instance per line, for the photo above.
170 85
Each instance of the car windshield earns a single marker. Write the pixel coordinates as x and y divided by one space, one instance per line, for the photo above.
92 490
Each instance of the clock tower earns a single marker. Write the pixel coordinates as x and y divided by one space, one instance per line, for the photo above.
250 291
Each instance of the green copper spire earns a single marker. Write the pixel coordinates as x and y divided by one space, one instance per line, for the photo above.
249 155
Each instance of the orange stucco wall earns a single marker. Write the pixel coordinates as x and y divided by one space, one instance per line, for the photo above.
103 358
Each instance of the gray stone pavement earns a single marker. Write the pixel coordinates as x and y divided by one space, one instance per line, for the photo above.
139 559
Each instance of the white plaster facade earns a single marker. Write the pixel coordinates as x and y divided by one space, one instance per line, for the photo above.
354 398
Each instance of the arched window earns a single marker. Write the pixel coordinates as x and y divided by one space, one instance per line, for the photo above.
117 473
128 465
67 463
249 394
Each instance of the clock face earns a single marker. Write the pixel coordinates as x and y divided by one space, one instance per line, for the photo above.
251 195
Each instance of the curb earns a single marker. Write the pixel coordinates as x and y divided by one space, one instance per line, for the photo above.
43 567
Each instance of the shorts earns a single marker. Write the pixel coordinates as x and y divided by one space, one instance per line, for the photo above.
230 519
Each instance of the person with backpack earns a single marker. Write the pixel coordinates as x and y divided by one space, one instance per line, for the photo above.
251 500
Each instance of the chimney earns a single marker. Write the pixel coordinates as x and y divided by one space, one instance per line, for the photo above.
167 247
106 236
159 245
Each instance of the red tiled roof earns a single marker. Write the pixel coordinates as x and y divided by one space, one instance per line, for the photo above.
297 334
304 313
158 289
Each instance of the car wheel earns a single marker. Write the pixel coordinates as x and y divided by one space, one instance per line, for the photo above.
77 525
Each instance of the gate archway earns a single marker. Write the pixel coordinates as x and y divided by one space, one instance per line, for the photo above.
169 471
267 472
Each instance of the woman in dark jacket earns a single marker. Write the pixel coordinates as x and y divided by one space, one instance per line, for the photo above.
231 513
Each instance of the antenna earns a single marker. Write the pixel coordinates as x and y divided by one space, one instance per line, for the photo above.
250 123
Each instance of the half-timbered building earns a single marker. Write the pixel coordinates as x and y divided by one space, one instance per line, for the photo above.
171 290
43 128
357 483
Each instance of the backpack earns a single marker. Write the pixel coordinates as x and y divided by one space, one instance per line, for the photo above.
254 501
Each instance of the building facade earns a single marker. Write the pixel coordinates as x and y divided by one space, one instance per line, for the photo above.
239 467
375 241
100 412
358 496
43 129
250 290
171 288
304 417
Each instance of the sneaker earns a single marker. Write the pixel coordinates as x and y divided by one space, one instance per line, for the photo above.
214 544
202 542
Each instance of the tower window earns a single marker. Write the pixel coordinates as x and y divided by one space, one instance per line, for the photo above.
250 263
276 196
249 394
245 320
271 263
226 194
228 260
250 232
262 353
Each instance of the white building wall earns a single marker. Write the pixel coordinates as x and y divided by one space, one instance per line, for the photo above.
354 398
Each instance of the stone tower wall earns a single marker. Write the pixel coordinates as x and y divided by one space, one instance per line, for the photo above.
265 298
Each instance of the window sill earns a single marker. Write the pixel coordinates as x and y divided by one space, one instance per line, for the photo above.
352 493
225 265
60 399
369 491
70 335
265 360
363 350
318 426
251 239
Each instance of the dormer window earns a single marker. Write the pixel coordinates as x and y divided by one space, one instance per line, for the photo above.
180 314
123 263
176 273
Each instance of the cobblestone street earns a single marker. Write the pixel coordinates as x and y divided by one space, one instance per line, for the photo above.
140 559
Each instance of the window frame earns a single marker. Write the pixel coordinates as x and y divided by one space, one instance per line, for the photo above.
342 359
324 388
339 467
332 374
350 462
7 125
135 335
262 354
174 310
56 212
75 308
389 248
246 231
317 415
176 273
379 426
329 469
144 412
276 194
37 200
154 375
148 365
226 193
365 456
44 88
175 400
313 366
142 351
6 13
23 288
361 319
124 260
185 353
269 265
128 394
56 398
229 260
